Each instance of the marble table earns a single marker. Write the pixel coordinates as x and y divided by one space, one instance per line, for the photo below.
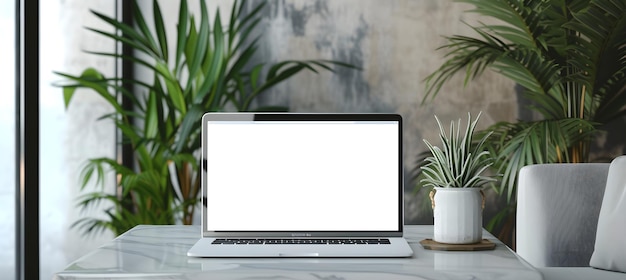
159 252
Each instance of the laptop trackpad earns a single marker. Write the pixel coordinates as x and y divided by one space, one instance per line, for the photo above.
292 255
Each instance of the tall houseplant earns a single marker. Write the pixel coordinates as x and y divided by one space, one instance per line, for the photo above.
570 59
208 71
454 172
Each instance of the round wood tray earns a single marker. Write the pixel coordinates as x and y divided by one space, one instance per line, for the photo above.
483 245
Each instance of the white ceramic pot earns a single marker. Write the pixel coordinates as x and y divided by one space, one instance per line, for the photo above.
458 214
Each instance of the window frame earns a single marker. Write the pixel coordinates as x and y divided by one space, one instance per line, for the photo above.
27 138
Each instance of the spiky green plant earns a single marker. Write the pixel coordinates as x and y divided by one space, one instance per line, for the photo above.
460 162
211 69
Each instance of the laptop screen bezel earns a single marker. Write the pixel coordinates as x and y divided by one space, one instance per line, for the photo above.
207 117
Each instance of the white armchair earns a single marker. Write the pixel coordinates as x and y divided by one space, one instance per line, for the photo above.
557 217
557 212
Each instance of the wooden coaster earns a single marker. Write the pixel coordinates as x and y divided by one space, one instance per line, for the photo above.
483 245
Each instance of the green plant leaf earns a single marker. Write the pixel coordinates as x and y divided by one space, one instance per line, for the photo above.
130 36
174 90
183 19
90 78
160 31
214 74
200 47
189 125
146 34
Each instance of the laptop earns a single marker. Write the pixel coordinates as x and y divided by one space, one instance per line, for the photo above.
301 185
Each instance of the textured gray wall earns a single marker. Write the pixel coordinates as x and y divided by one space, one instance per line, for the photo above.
394 43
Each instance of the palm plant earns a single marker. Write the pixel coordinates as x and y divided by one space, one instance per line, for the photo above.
569 56
209 71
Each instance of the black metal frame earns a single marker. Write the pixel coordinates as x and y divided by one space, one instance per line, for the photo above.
27 139
127 157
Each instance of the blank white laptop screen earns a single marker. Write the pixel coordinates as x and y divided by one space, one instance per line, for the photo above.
302 176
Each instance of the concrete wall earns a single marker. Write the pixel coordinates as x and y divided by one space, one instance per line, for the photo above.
394 43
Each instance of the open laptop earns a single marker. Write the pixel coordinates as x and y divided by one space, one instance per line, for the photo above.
301 185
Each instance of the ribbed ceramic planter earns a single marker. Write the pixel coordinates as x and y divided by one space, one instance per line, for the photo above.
458 214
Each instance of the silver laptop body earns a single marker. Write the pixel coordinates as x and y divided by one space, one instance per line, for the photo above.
301 185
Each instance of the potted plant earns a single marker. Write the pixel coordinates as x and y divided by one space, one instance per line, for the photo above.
210 70
454 172
567 56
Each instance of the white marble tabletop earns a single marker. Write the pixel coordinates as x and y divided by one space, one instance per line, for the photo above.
159 252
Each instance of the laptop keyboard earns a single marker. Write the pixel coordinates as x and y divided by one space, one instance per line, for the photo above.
307 241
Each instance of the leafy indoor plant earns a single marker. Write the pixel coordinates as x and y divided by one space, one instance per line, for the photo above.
454 172
570 59
210 70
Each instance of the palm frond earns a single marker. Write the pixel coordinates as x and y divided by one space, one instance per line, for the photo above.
601 43
468 53
522 20
540 78
515 145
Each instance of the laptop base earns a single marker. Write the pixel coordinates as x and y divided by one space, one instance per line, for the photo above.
398 247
